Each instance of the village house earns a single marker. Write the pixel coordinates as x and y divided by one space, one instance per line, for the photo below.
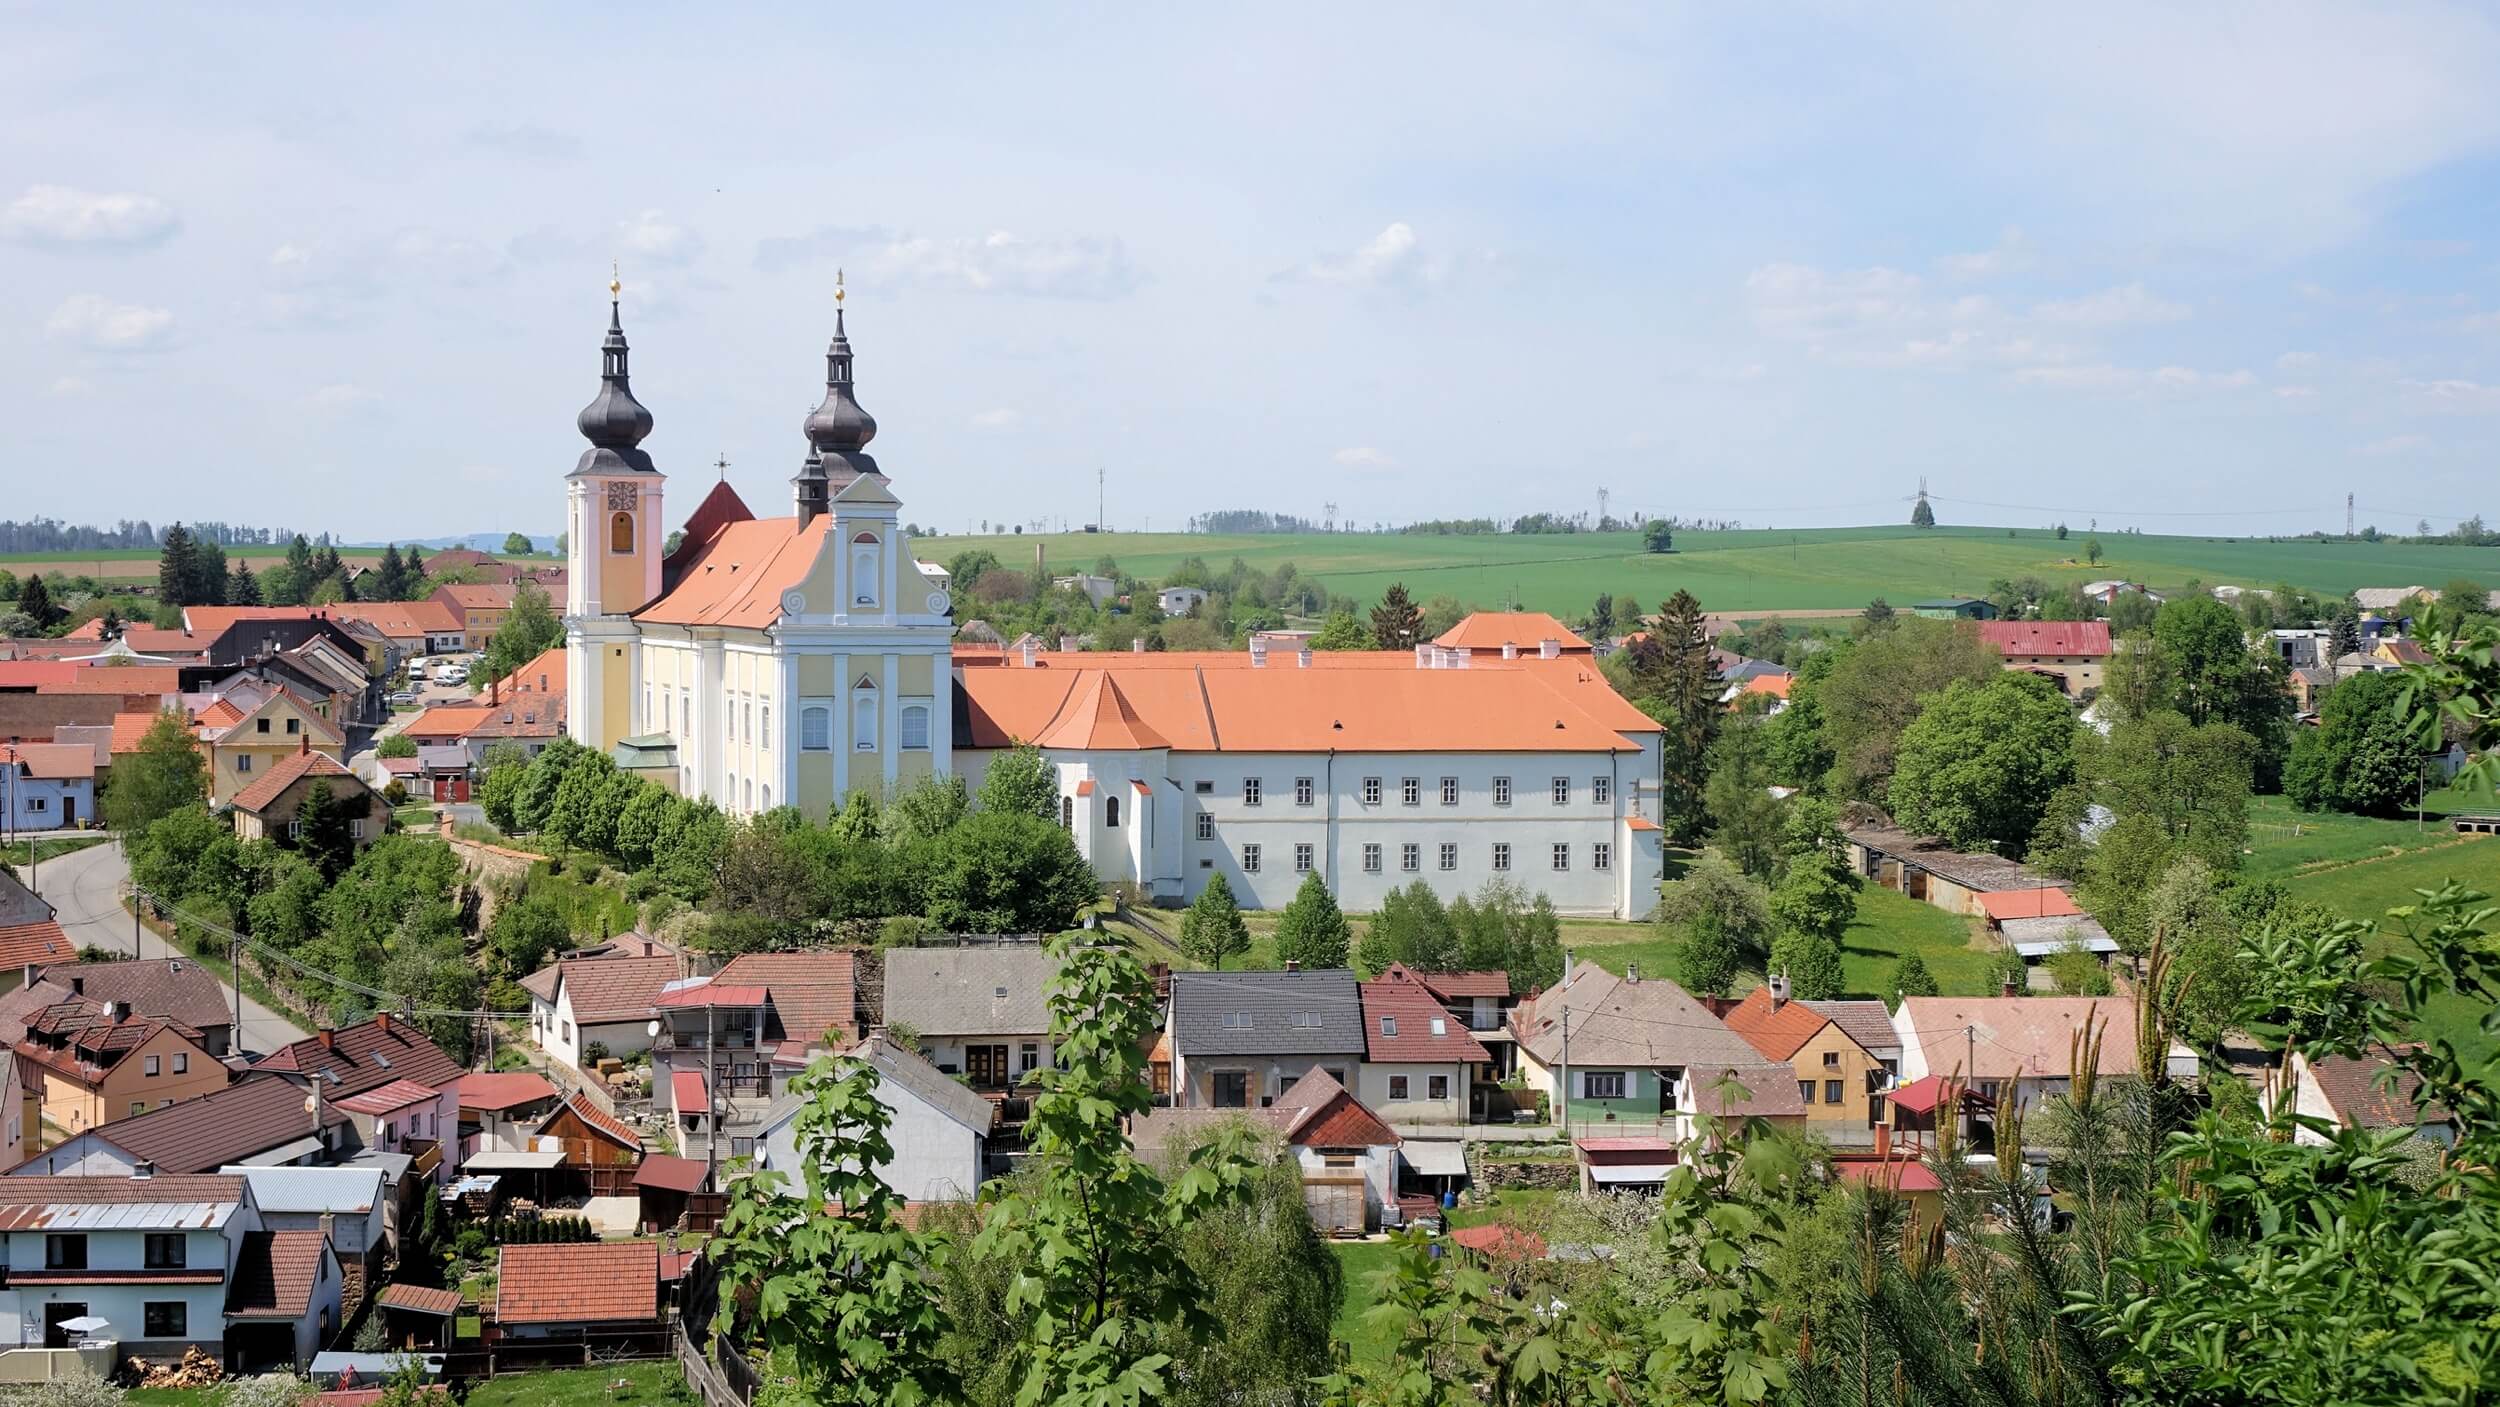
2038 924
499 1109
1513 633
729 1043
30 936
1180 600
1347 1153
2072 653
1955 608
940 1132
2343 1092
1240 1039
579 1149
1479 1001
1837 1079
981 1011
268 806
586 1008
2016 1051
480 608
1639 1054
1420 1062
46 786
578 1290
178 989
1933 872
345 1205
87 1063
264 1119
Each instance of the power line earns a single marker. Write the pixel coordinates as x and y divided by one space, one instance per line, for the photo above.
393 1001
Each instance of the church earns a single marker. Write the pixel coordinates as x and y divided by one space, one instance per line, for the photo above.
789 661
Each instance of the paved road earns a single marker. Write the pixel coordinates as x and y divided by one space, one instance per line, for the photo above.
85 889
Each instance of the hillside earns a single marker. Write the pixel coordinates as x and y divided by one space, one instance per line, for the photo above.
1804 569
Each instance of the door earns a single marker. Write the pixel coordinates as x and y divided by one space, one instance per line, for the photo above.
986 1064
54 1315
69 812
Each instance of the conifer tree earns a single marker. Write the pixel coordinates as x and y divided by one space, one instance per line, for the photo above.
1686 701
242 588
1212 930
1397 622
1312 931
176 571
35 599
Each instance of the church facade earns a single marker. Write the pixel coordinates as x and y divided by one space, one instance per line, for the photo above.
789 661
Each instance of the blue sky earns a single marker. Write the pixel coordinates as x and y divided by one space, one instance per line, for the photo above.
2186 268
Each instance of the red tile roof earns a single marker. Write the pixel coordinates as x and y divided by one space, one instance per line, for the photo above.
274 1274
737 577
480 1089
2078 638
1899 1174
607 990
367 1055
813 994
1425 1030
34 944
1317 1112
1775 1030
713 993
685 1089
579 1283
384 1099
670 1173
1491 630
2351 1088
270 786
1452 986
1101 718
2029 903
129 729
596 1119
1500 1239
53 762
420 1298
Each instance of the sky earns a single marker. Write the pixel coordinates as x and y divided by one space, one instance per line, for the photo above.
2186 268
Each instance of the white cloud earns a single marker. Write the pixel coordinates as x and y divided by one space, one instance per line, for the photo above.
1394 255
651 238
66 217
2470 397
1364 457
2395 445
66 387
2111 307
2104 376
2012 254
102 325
1804 303
996 418
1084 267
2296 361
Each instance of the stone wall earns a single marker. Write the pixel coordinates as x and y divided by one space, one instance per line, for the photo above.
1498 1174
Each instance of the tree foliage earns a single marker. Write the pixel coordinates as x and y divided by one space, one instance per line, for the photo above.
1212 931
1979 763
1312 931
2360 757
1397 622
1881 684
166 774
1681 690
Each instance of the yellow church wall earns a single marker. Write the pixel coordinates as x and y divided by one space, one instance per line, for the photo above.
916 767
815 798
615 698
821 584
915 675
867 772
815 676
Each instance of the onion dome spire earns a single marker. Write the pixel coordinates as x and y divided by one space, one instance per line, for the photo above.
838 430
614 422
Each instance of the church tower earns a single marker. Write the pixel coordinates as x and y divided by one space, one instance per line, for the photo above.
613 536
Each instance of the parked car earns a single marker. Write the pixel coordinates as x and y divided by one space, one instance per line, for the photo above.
405 698
451 674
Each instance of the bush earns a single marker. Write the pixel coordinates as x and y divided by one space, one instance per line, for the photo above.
903 930
395 794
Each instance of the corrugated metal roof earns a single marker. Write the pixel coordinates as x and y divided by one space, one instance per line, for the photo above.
347 1190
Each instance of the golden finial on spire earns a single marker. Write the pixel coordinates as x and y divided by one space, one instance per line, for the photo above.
616 282
837 285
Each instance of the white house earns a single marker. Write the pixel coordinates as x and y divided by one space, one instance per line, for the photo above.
1419 1060
2019 1049
1348 1156
940 1132
981 1011
583 1008
346 1203
1180 600
1097 589
46 786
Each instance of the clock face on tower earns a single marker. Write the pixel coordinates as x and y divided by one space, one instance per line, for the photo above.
623 497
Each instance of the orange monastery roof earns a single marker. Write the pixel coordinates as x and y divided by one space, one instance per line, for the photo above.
1491 630
738 576
1291 709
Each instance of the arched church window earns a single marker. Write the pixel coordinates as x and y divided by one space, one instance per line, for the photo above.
620 532
915 728
815 728
1111 811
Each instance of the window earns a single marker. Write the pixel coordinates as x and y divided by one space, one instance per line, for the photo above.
262 725
166 1319
864 723
1449 856
243 763
1307 1020
167 1250
1601 1084
864 569
182 1062
1371 791
1436 1086
915 727
1602 855
1301 791
1501 791
1028 1057
1111 812
1249 859
1501 854
1805 1091
568 1030
1067 814
1411 791
1236 1021
1371 859
1388 1025
138 1107
1249 791
1398 1087
1302 859
1230 1089
1831 1060
1562 791
1206 825
65 1252
765 796
621 532
1410 858
764 734
1203 788
1601 789
1831 1091
294 726
741 1147
1562 855
155 1064
1449 791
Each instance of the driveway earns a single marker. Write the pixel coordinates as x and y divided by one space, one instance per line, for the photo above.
85 891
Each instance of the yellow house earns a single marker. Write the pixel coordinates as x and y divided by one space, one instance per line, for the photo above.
95 1063
1836 1076
479 607
251 728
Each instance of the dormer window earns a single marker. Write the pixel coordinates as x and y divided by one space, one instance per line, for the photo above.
1388 1025
1236 1021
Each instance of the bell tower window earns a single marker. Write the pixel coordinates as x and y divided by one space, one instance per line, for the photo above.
620 532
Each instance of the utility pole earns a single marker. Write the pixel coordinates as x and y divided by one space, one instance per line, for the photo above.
1601 508
234 953
137 897
1562 1092
1970 1069
2347 514
1102 521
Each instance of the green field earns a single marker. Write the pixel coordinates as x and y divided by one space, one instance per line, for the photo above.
1805 569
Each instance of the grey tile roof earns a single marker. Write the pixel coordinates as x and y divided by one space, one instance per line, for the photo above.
1869 1023
906 1070
991 990
1648 1024
1315 1012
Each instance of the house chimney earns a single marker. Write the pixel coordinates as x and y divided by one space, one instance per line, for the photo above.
2007 989
117 1011
1779 990
1509 651
78 986
303 745
1460 656
1883 1140
1137 646
329 1228
1549 649
1293 964
1302 657
382 1022
1258 652
1028 653
1423 657
142 1170
329 1038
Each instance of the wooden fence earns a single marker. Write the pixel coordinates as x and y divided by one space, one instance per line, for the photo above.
729 1383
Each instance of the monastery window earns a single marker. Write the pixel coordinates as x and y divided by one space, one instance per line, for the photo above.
621 532
764 737
1249 791
1562 791
1601 789
767 796
1410 858
1501 854
1602 856
1206 825
1449 856
1111 812
1301 791
1449 791
1302 859
1562 855
864 569
1249 859
864 722
1371 859
1371 791
915 727
1501 791
1411 791
816 727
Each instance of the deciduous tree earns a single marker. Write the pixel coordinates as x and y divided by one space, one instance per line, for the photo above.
163 776
1979 763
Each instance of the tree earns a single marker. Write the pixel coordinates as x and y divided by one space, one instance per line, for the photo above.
1397 622
1910 978
1745 818
2092 550
1922 516
2343 630
34 601
1817 898
1811 964
1714 893
1880 685
1021 782
1877 617
528 630
1000 872
1098 1230
163 776
1707 959
2172 788
1657 536
2360 757
396 745
844 1291
1341 631
1312 931
1411 927
1979 763
516 545
177 568
390 576
1684 698
1212 930
242 588
2061 532
528 930
324 831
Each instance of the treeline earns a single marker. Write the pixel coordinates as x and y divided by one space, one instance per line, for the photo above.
53 535
1252 520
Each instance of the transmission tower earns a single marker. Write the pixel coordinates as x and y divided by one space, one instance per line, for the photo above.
1601 509
1328 516
2347 514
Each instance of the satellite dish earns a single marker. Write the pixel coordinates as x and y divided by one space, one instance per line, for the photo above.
312 1104
651 1027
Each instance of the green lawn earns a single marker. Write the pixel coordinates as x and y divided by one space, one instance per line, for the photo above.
648 1384
1887 927
54 847
1362 1261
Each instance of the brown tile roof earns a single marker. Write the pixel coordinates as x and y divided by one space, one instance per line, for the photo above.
1775 1030
1424 1030
1869 1023
1317 1112
34 944
1452 986
478 596
367 1055
2029 903
270 786
117 1191
421 1299
2080 638
505 1090
2352 1090
401 619
596 1118
274 1274
2019 1037
179 988
389 1098
251 1116
604 990
813 994
580 1283
54 762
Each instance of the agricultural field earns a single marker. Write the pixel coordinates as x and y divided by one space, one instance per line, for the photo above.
1808 569
136 564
